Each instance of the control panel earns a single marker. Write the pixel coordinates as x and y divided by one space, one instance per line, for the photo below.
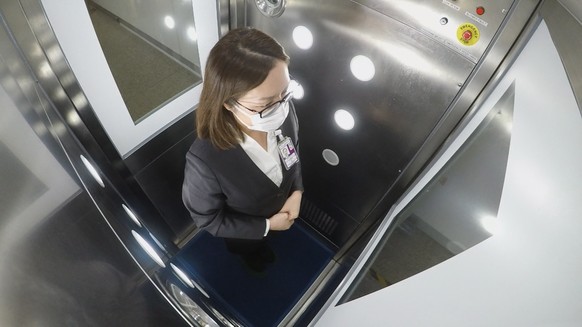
465 26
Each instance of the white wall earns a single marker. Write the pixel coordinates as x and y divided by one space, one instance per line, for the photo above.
529 273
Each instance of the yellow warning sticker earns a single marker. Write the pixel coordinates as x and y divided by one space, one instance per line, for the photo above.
468 34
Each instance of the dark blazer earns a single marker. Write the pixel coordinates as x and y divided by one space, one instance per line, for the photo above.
228 195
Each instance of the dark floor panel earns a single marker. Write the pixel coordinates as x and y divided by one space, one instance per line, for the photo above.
259 300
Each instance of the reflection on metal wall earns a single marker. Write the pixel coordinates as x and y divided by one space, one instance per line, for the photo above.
538 218
466 27
60 264
385 82
566 15
454 212
78 245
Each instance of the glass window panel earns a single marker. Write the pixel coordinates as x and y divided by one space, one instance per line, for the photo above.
454 212
151 48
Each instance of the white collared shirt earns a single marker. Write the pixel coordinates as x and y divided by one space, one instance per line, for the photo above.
267 161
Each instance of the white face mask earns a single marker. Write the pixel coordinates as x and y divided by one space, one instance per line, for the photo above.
269 123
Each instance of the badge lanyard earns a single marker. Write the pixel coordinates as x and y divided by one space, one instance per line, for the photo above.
286 149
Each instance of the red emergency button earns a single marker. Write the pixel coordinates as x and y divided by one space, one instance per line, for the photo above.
468 34
480 11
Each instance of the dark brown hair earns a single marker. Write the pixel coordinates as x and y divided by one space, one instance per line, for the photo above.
239 62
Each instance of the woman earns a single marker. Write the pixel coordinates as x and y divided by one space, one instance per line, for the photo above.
242 176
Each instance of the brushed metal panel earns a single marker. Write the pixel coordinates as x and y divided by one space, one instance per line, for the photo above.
68 255
19 184
446 217
60 265
507 44
41 50
565 24
426 15
416 80
574 7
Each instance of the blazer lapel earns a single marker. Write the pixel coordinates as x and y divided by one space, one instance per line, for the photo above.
249 165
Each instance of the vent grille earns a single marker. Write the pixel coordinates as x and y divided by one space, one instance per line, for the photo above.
318 218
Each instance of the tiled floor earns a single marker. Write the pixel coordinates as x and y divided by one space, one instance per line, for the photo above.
145 76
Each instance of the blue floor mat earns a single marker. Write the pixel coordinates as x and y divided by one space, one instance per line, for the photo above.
259 300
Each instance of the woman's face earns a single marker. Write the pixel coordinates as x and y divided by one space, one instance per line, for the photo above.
271 90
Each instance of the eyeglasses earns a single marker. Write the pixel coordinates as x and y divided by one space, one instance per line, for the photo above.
272 108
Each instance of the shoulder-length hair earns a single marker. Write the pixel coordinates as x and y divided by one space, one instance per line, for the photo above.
239 62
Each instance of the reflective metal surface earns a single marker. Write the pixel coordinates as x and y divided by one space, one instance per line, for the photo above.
454 212
382 92
564 19
271 8
415 80
486 283
70 101
80 245
397 82
441 20
61 264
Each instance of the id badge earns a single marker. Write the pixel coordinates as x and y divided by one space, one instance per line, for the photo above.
287 152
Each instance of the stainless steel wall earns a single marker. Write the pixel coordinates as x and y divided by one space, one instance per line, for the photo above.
68 252
566 15
425 80
67 247
546 119
71 247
